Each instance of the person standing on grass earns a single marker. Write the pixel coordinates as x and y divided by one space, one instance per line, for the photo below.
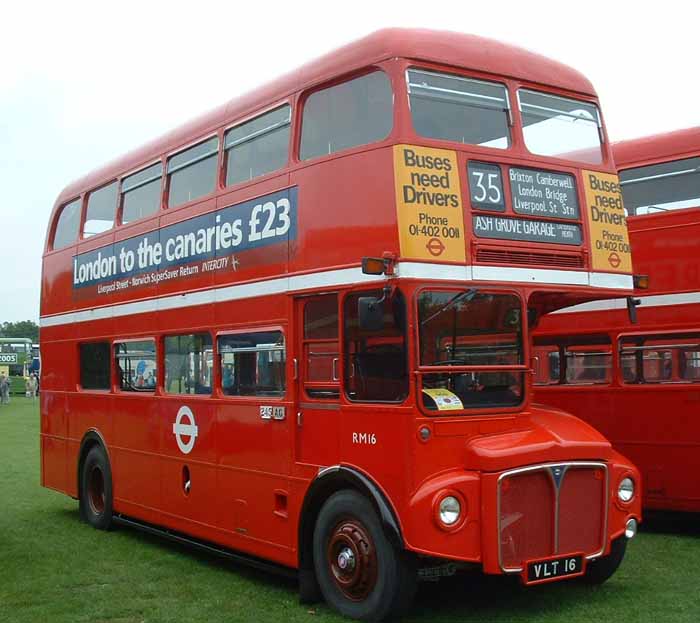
4 389
30 386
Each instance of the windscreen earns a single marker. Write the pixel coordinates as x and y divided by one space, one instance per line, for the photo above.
470 328
561 127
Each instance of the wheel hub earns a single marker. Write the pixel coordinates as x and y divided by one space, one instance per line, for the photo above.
352 558
96 490
346 559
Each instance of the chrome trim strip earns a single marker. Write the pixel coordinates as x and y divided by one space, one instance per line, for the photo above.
320 406
148 180
653 300
178 167
253 135
547 468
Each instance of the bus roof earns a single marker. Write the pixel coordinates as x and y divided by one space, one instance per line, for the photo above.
441 47
657 147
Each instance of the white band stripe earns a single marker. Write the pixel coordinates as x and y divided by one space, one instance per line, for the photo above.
341 277
650 300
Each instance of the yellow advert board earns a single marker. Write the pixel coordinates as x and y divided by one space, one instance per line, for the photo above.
444 399
610 244
429 204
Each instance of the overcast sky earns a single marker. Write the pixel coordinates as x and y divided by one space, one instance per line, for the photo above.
83 82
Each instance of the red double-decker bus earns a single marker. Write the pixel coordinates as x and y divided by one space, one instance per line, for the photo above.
296 330
639 384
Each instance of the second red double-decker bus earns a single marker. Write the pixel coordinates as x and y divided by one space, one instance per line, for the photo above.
639 384
297 328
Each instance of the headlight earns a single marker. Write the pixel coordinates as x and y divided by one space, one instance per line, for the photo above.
625 492
450 510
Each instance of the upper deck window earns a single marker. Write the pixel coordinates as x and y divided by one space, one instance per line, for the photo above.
561 127
258 146
141 193
192 173
454 108
67 226
661 187
356 112
101 207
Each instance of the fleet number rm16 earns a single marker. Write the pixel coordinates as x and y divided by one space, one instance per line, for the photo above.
369 439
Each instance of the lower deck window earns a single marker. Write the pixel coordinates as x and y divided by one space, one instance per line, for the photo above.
569 362
95 366
136 365
646 359
189 360
252 364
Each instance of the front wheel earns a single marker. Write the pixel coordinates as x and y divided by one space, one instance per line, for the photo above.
96 489
361 574
602 569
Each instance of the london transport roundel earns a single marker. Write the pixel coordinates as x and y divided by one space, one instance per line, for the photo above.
183 428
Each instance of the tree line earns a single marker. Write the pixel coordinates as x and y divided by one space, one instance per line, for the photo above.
23 328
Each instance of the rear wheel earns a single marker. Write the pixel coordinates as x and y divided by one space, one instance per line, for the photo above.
96 489
602 569
361 574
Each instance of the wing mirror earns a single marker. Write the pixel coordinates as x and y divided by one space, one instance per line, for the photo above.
370 311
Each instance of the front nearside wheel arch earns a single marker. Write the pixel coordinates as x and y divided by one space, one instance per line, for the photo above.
328 482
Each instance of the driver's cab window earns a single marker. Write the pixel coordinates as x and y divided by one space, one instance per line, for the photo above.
375 349
479 332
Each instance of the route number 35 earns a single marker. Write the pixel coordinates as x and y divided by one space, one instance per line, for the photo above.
486 186
490 191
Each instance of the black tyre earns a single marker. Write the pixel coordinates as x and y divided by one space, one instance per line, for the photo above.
601 569
361 574
96 489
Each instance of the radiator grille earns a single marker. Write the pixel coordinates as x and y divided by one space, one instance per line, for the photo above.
551 510
529 258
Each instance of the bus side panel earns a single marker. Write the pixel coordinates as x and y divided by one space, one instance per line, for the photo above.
57 283
666 246
255 456
334 229
134 452
88 411
668 415
53 410
193 460
54 464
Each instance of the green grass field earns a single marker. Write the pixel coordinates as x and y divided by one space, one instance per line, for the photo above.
54 568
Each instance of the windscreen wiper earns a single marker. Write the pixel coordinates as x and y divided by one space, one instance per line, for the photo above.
465 296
